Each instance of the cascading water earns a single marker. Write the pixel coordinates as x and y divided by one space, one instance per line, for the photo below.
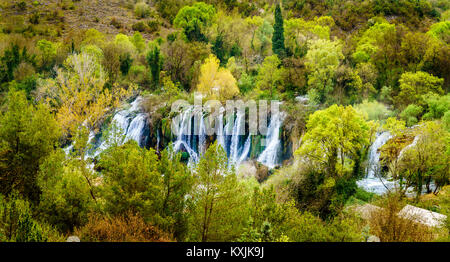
132 124
269 157
234 147
374 182
230 136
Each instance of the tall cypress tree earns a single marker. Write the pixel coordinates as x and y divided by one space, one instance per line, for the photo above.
278 34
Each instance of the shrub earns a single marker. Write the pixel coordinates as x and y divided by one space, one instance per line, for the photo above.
373 110
411 114
34 18
22 5
116 23
141 10
153 25
139 26
389 227
127 228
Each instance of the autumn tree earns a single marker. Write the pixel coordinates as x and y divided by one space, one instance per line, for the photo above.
216 82
78 95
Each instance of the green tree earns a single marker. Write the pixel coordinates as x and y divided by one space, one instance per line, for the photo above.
414 85
333 139
11 59
194 19
278 34
131 181
48 51
322 61
270 75
177 183
427 160
411 114
125 63
66 197
28 134
16 223
219 203
155 62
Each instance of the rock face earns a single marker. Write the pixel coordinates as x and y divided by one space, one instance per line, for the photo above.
365 211
373 239
73 239
423 216
418 215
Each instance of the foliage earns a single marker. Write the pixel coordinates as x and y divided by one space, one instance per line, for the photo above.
333 139
177 183
322 60
374 110
414 85
28 134
427 160
270 75
122 228
78 94
389 227
411 114
66 196
278 34
17 224
131 181
154 61
141 10
219 200
216 82
193 19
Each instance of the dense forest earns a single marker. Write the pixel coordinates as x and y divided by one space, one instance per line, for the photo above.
358 151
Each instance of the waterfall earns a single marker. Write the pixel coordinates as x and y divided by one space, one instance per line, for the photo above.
234 148
229 135
183 132
133 126
202 137
157 140
246 150
269 157
220 130
373 182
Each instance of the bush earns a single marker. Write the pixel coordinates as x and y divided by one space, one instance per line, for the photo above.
411 114
34 18
141 10
389 227
140 26
153 25
373 110
22 5
116 23
127 228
